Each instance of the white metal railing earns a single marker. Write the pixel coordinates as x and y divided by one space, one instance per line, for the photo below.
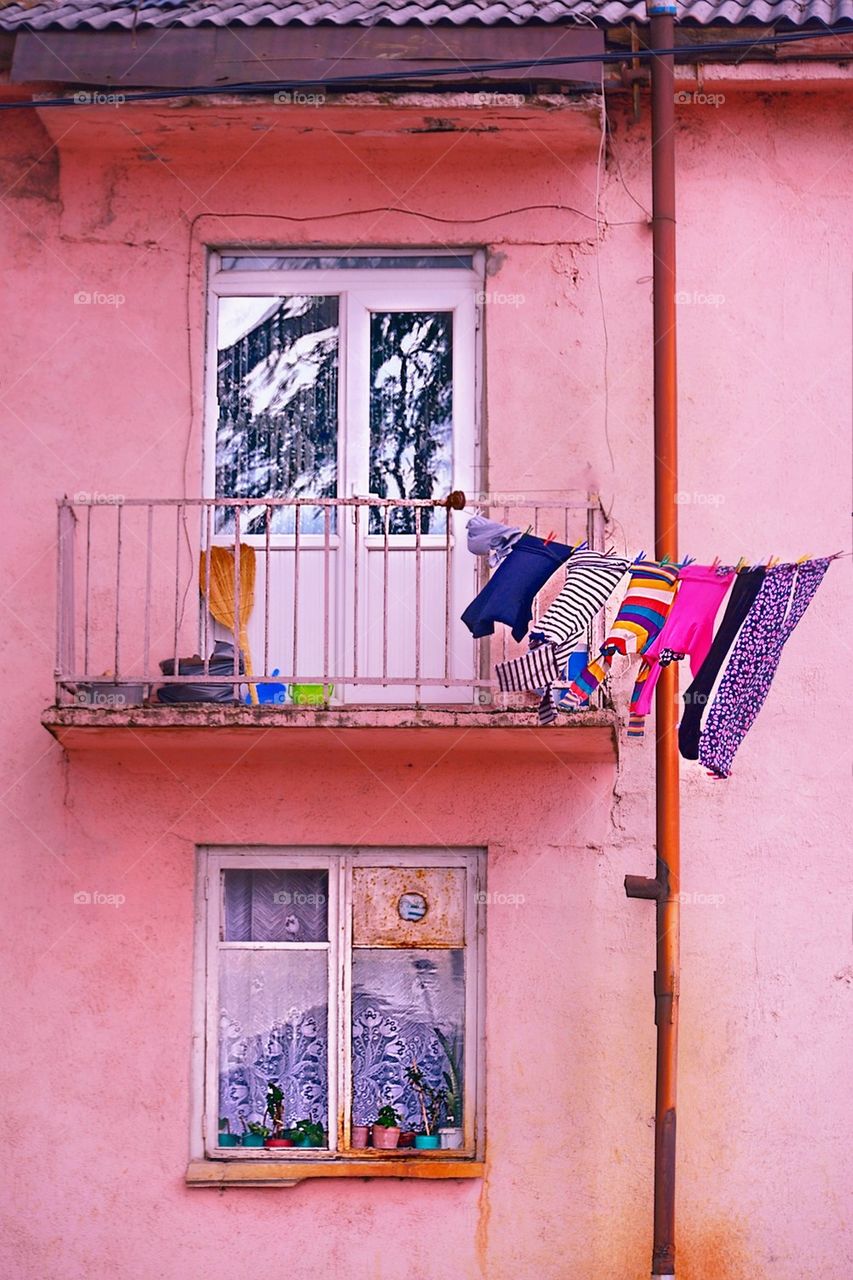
356 600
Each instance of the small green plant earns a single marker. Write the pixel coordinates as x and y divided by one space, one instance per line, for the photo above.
388 1118
430 1098
309 1133
275 1109
260 1130
452 1078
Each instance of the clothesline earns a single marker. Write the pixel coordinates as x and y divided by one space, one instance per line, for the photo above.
667 612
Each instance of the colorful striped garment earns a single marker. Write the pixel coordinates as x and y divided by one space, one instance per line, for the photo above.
651 590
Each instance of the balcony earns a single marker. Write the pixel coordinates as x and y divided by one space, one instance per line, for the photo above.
216 618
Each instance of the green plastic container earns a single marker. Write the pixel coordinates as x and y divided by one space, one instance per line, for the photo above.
427 1141
311 695
228 1140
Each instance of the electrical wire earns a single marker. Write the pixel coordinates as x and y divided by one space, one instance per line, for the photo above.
433 73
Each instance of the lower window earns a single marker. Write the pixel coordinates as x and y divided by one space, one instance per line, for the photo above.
342 1012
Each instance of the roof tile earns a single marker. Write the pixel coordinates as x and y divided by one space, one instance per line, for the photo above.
41 15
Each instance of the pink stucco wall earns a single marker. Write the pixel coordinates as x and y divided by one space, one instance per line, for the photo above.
98 999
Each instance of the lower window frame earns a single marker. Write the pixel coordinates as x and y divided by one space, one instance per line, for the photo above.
211 1164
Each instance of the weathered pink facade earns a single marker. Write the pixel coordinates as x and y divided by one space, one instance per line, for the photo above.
104 398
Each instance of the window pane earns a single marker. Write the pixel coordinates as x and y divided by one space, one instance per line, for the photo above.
408 1006
411 413
355 262
277 392
276 906
273 1017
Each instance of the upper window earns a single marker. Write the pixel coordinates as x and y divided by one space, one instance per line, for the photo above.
341 1012
338 375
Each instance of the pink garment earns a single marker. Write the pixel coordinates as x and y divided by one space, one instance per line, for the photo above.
689 628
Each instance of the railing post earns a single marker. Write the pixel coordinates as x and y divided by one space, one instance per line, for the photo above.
65 649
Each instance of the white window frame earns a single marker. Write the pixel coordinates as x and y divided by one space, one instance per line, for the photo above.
339 862
458 290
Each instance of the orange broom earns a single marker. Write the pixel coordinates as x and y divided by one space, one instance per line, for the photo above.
221 598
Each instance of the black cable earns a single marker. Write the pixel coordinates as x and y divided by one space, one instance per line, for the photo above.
384 77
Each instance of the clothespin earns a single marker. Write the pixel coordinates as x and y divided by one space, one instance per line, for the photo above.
664 560
774 560
527 530
741 564
716 562
551 536
803 559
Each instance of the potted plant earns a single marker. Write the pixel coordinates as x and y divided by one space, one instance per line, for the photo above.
386 1129
275 1110
359 1134
226 1137
431 1100
451 1133
255 1135
309 1133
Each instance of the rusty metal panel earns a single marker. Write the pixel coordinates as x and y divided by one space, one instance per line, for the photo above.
408 907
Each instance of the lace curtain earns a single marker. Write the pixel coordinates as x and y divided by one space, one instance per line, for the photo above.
407 1006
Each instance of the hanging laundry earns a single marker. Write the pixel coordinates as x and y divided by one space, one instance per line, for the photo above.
641 616
490 538
591 579
508 595
746 587
784 596
689 629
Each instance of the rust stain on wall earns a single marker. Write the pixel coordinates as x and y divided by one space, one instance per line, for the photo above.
716 1251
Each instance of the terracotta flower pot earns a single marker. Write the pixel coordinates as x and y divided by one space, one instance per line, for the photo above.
407 1138
358 1136
384 1138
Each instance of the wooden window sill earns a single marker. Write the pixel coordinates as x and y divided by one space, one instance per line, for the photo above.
287 1173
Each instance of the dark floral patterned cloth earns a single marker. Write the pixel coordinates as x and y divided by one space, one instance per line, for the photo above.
785 595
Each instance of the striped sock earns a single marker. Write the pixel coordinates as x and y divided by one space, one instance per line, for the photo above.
641 616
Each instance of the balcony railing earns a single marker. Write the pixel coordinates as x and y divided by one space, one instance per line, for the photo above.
346 601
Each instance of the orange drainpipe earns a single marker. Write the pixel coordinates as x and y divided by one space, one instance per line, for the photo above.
664 888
